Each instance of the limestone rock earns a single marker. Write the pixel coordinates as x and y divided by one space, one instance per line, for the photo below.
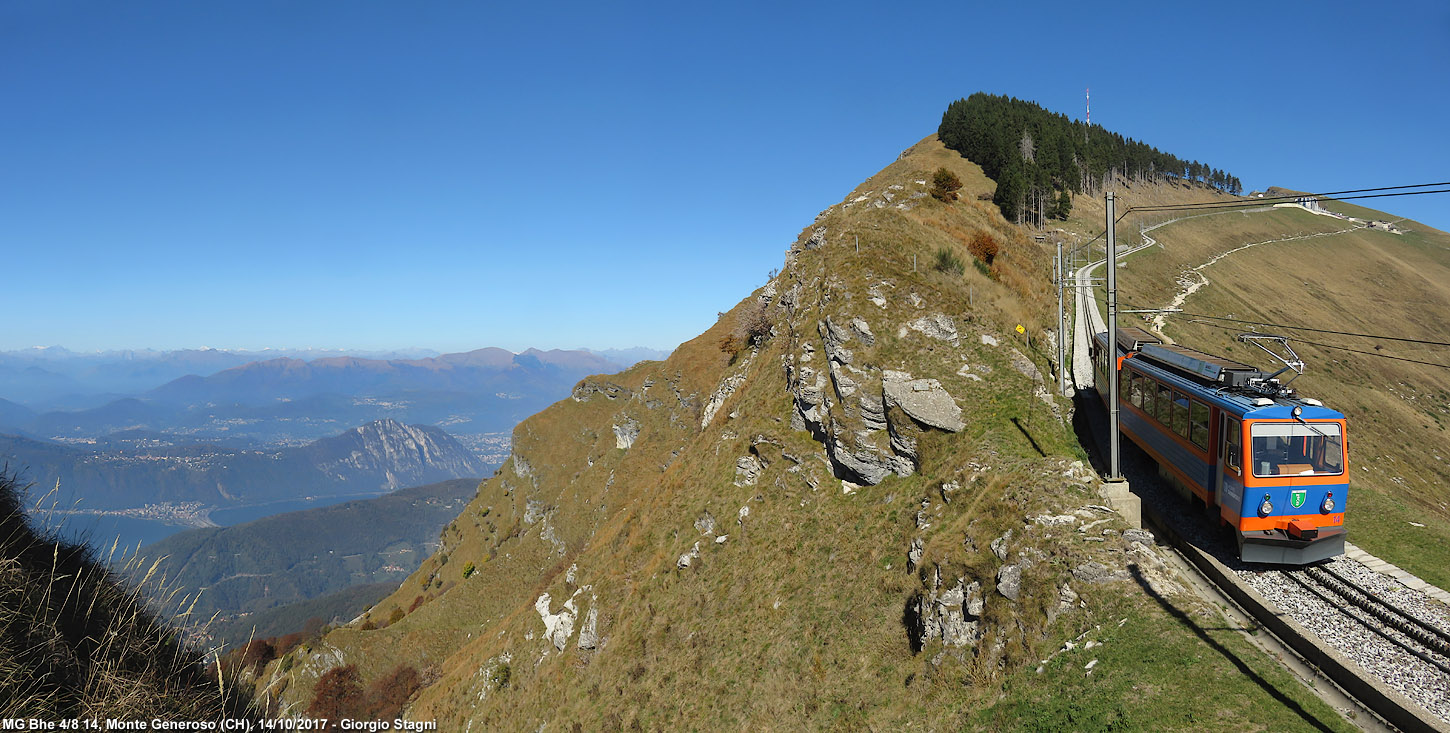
705 524
521 466
747 470
818 239
1095 572
1009 581
589 633
717 400
863 331
533 511
625 434
1024 365
585 390
873 412
937 326
688 558
1054 520
1066 598
557 626
953 616
999 546
1138 535
913 555
959 611
873 294
989 340
923 399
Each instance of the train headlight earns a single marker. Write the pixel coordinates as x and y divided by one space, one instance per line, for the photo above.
1328 505
1266 507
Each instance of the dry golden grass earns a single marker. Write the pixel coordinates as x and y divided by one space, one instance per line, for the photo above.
77 643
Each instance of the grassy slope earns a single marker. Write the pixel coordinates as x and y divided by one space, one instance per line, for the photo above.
797 620
1360 281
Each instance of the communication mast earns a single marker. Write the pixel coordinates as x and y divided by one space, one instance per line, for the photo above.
1089 93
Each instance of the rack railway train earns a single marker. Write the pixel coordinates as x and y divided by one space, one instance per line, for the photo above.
1270 464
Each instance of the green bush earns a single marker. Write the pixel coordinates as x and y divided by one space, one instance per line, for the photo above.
947 261
944 185
468 569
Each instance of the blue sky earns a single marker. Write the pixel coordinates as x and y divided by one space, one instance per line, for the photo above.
449 175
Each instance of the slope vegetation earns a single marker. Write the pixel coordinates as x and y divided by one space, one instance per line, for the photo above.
851 502
77 644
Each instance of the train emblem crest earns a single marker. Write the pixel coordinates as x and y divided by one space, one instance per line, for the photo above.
1297 497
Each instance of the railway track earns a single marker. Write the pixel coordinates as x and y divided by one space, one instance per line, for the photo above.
1389 660
1434 641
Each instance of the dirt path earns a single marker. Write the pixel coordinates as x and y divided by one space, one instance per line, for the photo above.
1191 281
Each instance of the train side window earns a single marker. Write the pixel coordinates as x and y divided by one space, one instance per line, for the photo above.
1180 413
1135 389
1198 418
1149 390
1165 405
1233 442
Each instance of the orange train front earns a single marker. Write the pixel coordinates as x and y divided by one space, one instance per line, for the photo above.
1270 464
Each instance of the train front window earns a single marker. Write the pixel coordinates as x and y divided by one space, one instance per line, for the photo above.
1297 449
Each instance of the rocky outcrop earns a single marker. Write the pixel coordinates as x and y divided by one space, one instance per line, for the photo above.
625 433
587 389
717 399
557 626
589 633
404 455
924 400
951 615
747 470
938 326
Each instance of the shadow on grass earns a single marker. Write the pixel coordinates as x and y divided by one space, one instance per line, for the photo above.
1228 654
1029 437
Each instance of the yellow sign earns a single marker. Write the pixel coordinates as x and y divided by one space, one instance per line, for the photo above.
1020 329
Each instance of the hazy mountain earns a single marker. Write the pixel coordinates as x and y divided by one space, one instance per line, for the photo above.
54 377
631 356
12 415
380 456
478 395
476 372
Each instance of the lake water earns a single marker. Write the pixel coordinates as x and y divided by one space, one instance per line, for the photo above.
101 530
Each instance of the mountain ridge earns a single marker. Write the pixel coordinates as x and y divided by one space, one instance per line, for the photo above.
850 502
377 457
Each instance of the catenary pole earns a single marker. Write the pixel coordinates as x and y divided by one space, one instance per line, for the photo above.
1061 282
1115 472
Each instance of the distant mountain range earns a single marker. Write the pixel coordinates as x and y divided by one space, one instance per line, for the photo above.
377 457
56 378
478 396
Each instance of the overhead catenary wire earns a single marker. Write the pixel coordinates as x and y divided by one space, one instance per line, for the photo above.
1360 193
1424 342
1346 349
